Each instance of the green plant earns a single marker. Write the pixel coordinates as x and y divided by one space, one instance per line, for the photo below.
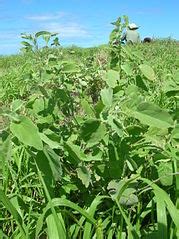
90 150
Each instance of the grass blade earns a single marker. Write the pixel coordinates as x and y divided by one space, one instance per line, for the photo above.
91 211
161 218
59 223
8 205
173 211
52 227
61 202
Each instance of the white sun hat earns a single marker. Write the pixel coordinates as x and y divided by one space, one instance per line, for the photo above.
133 26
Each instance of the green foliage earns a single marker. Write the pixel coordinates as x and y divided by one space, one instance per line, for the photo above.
89 140
147 72
26 132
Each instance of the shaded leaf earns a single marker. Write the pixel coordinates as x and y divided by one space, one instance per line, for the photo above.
87 108
75 152
84 175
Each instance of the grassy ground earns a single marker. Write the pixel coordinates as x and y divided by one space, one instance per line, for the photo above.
87 150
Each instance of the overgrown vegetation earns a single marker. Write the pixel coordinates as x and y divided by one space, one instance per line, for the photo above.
89 140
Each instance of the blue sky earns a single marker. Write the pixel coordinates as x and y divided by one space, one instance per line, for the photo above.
83 22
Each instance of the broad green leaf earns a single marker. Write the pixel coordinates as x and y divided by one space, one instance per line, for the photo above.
45 120
43 91
115 125
75 152
27 132
165 173
117 187
16 105
132 90
52 144
54 162
15 202
84 175
44 167
62 94
140 82
107 96
94 157
93 131
69 67
127 69
42 33
83 83
38 105
116 163
99 108
97 136
152 115
170 87
87 108
52 230
112 78
88 128
128 197
175 132
147 71
134 97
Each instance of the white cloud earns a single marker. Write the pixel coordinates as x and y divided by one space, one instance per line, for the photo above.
66 30
46 17
61 22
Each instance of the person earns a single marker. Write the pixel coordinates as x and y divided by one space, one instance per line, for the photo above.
131 35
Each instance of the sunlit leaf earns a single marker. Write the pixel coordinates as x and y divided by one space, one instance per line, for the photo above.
152 115
84 175
165 173
112 78
27 132
107 96
147 71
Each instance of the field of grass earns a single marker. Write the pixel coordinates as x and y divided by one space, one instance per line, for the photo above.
89 142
